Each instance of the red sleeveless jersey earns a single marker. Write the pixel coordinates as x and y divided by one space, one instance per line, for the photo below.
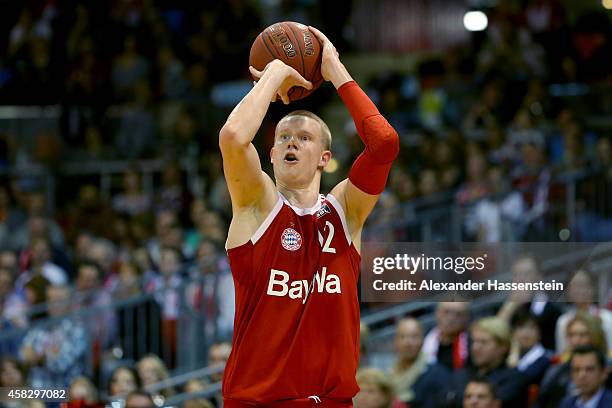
296 328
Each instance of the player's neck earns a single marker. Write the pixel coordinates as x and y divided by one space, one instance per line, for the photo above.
306 197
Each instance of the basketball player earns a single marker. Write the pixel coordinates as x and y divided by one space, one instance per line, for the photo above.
294 253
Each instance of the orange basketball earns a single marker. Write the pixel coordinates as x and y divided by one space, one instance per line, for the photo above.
296 46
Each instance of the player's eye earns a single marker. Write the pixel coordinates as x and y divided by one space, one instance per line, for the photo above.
304 138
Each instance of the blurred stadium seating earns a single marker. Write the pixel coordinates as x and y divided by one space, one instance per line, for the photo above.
109 115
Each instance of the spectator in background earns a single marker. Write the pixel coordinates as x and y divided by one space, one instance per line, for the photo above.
446 164
13 373
526 269
128 281
364 356
480 393
38 224
36 295
403 185
589 373
41 265
447 342
582 330
212 293
212 227
82 246
582 294
197 210
416 382
375 389
152 370
102 325
166 225
13 304
10 217
194 386
527 354
171 80
476 186
494 218
56 353
90 213
139 399
135 137
173 195
8 260
13 315
166 289
83 393
124 380
588 59
532 177
143 261
198 86
129 68
490 344
103 253
132 201
485 112
218 354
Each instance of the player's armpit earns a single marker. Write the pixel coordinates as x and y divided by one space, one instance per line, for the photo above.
357 205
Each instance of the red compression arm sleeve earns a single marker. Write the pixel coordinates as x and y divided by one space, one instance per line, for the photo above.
371 169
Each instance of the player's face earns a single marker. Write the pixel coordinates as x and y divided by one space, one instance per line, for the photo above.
298 151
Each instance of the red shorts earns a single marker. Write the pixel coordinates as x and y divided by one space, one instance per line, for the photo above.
310 402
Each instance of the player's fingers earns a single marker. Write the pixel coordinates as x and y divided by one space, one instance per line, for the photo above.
284 97
319 34
300 80
304 83
257 74
274 97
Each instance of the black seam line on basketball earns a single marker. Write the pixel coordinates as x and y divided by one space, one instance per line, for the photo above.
297 41
267 49
303 73
271 42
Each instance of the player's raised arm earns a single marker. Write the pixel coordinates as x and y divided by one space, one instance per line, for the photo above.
368 175
247 183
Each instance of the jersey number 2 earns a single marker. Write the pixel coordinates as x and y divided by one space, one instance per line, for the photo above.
326 246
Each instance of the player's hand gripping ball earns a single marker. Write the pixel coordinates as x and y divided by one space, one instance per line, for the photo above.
295 45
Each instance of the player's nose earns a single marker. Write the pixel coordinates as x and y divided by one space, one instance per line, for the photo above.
293 142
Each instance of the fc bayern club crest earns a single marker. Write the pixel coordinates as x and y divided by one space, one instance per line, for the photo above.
291 240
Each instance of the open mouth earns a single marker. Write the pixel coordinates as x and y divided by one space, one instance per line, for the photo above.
291 158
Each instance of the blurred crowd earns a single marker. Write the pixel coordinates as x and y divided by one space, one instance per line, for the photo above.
488 127
528 351
140 380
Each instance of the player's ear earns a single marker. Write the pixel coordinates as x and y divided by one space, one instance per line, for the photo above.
272 155
325 158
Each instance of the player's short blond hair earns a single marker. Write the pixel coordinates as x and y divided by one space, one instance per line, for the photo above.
325 133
